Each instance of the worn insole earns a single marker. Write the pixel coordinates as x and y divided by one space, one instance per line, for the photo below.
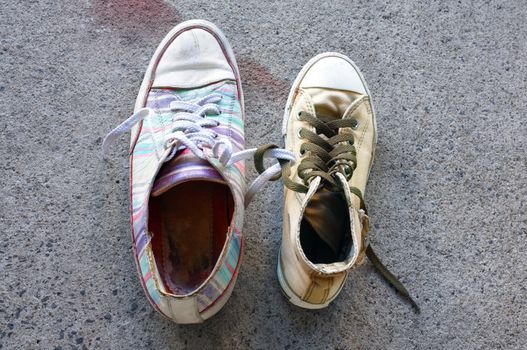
193 220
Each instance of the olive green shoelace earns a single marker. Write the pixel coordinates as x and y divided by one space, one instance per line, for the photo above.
326 152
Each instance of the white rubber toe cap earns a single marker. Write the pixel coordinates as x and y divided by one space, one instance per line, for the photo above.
333 71
193 58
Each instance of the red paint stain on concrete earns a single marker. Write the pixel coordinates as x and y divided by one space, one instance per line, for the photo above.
136 17
256 77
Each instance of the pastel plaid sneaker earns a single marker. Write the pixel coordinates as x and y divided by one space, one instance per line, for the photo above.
329 124
187 178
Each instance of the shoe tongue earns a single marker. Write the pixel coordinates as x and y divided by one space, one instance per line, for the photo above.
185 166
331 104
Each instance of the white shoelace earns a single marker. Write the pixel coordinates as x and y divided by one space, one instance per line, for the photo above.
191 129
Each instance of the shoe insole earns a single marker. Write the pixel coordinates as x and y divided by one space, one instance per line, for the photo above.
325 231
189 224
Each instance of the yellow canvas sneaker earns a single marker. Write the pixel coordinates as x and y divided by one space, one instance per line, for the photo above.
329 125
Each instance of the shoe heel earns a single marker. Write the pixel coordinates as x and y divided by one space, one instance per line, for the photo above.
289 294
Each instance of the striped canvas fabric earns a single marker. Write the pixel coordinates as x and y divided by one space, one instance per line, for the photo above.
146 160
208 295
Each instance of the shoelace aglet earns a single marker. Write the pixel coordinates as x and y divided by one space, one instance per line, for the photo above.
416 307
105 146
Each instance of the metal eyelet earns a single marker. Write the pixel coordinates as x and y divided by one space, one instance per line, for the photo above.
299 115
355 124
298 133
347 170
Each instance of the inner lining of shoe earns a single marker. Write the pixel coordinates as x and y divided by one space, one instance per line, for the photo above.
189 224
325 230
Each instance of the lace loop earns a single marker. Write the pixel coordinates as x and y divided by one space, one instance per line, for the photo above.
259 157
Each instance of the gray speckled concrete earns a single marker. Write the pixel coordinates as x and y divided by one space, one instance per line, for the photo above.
447 193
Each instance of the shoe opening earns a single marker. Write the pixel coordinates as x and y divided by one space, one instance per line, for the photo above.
325 230
189 224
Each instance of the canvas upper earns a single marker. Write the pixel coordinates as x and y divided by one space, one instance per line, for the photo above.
192 62
187 173
328 85
329 125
